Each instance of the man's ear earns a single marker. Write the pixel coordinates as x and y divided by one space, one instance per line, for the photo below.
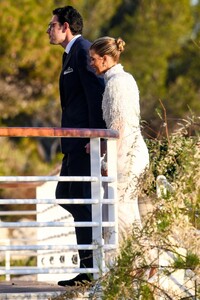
65 26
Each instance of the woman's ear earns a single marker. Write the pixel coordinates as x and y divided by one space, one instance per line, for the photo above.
105 58
108 61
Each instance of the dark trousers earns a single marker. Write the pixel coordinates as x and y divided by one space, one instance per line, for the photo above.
78 164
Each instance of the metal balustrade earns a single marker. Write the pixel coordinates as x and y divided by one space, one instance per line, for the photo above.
46 248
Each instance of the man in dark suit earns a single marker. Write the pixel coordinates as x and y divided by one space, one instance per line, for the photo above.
81 96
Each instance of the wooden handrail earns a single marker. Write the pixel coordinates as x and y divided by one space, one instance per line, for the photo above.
57 132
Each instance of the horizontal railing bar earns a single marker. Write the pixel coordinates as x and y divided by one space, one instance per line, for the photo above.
58 132
24 179
49 201
35 270
47 224
53 224
108 201
47 178
53 247
47 247
57 201
18 213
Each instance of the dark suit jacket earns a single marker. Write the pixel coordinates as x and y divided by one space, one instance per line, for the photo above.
81 94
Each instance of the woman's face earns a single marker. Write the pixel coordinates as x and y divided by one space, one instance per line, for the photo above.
97 62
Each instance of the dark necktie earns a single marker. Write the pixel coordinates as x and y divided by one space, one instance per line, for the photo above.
64 57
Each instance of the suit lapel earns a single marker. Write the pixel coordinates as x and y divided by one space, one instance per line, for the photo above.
72 50
66 61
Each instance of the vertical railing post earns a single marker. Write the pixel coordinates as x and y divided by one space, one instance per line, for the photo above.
7 259
98 261
112 190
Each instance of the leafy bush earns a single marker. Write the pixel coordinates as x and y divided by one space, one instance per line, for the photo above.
170 228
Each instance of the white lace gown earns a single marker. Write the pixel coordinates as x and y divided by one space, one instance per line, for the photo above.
121 111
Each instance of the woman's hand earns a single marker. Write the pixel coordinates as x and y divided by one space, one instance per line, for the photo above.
104 168
102 150
103 147
104 172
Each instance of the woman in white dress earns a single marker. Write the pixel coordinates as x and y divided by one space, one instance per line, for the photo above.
121 111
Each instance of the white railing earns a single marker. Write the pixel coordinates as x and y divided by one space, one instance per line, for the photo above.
11 248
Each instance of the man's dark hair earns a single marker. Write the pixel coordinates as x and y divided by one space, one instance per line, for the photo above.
71 16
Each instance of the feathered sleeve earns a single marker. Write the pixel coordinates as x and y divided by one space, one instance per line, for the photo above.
111 105
120 107
121 102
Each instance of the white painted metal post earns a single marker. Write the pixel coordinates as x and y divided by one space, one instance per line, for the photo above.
111 233
7 259
97 193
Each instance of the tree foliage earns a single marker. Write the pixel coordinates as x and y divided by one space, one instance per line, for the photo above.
155 31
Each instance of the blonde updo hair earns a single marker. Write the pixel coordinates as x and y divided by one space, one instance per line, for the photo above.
108 46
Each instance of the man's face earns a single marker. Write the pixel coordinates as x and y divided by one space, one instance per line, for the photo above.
56 31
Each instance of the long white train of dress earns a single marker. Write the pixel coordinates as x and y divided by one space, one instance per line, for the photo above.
121 111
134 165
